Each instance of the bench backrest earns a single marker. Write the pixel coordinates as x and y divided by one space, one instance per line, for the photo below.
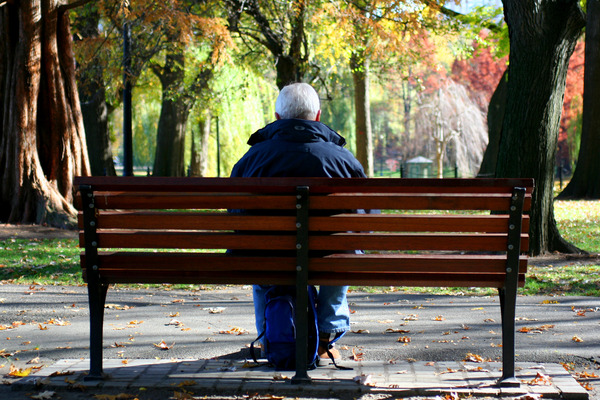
429 232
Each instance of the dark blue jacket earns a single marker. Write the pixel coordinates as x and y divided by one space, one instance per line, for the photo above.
297 148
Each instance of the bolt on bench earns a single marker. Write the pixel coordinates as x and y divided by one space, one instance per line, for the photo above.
430 232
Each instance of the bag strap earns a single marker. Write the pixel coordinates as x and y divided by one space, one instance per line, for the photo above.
252 347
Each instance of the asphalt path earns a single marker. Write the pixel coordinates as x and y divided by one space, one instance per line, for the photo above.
42 324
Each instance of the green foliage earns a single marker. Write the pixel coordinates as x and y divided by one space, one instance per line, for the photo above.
241 102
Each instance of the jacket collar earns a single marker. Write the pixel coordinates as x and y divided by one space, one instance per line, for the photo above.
297 130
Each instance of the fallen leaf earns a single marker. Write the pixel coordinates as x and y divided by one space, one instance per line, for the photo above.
48 394
577 339
530 396
35 360
279 376
364 379
17 372
186 383
360 331
62 373
474 358
42 327
391 330
235 331
163 345
120 396
403 339
538 329
540 380
356 356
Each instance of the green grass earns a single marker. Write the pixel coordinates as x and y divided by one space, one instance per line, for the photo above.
56 261
40 261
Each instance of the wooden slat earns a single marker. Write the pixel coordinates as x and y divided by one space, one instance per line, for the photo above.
317 185
413 223
407 242
189 277
340 263
190 240
353 201
176 263
460 263
190 220
341 222
177 200
412 280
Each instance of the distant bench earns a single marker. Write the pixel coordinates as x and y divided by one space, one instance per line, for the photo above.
430 232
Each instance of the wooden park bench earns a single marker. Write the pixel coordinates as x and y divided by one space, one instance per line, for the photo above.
428 233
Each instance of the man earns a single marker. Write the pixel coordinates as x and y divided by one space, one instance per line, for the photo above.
297 144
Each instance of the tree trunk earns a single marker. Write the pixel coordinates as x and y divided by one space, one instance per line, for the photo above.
42 142
92 93
199 162
170 135
542 35
95 121
359 66
585 183
495 118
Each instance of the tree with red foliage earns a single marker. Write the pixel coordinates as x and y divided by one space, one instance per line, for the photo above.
480 73
572 105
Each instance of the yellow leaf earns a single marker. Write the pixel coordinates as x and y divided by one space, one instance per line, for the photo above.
14 371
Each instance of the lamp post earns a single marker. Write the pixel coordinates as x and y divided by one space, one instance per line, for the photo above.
127 118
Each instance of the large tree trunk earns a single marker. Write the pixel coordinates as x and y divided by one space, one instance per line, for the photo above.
495 118
585 183
543 35
170 135
42 143
359 66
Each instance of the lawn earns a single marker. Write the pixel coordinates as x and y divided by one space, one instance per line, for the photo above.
56 261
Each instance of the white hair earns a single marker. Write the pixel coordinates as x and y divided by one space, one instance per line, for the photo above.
298 100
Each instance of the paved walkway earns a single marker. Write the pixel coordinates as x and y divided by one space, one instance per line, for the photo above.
401 379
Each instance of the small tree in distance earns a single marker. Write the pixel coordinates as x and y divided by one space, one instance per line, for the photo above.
453 121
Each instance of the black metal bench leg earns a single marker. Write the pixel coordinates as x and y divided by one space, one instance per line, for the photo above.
97 299
508 297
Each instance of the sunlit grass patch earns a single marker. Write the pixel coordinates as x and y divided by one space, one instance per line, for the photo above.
578 222
572 279
44 261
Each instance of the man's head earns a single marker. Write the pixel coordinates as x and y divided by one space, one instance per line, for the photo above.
298 100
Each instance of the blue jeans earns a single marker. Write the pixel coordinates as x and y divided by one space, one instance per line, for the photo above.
333 315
